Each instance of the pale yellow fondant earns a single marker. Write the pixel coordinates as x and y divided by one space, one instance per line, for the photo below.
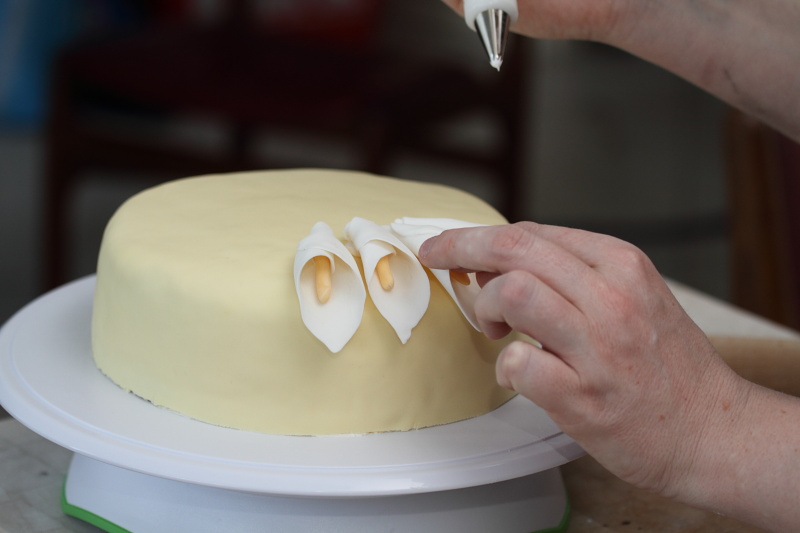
196 310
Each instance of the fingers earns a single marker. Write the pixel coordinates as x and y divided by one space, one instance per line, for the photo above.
520 301
590 247
536 374
496 249
502 249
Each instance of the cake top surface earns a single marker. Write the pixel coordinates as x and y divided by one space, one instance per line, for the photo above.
256 219
299 198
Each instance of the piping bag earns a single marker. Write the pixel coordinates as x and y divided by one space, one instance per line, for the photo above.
491 20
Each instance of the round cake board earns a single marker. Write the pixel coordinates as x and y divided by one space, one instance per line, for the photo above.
48 381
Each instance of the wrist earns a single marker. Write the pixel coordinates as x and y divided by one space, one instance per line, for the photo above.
707 475
747 459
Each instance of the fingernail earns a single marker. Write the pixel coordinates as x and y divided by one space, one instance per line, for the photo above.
425 248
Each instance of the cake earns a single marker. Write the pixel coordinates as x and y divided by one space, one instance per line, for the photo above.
197 309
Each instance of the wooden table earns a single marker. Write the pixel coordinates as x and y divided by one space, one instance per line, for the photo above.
32 469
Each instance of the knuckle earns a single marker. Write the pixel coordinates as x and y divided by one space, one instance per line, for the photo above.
516 290
528 226
510 242
617 305
633 261
620 292
621 306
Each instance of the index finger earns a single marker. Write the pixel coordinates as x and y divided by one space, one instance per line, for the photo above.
502 249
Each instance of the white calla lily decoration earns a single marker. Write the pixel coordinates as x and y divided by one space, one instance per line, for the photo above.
329 287
414 231
331 290
396 281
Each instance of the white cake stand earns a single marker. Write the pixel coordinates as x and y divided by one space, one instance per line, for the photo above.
141 468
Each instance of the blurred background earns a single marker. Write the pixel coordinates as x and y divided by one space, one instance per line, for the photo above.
101 98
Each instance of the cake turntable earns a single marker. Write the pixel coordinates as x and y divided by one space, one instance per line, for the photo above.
137 467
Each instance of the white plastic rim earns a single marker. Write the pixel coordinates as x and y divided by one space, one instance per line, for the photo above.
472 8
49 382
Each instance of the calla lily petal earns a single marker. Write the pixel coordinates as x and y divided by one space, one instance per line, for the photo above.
335 321
414 231
404 304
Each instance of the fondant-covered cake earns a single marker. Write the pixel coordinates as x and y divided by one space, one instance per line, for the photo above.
211 301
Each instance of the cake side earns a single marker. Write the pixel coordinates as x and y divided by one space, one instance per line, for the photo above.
196 311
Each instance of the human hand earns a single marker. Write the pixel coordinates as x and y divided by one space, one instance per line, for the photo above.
742 52
563 19
622 369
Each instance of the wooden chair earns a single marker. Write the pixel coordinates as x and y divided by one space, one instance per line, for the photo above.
307 69
764 194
